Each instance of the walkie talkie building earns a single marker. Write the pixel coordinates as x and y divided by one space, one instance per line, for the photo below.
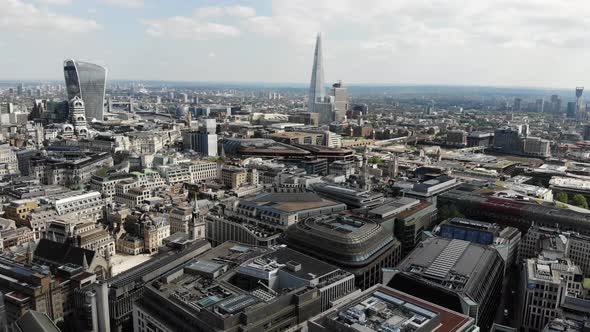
87 81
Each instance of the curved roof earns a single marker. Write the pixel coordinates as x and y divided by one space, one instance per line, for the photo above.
339 238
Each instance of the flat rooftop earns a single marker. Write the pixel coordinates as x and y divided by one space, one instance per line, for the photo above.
382 308
449 262
291 202
570 183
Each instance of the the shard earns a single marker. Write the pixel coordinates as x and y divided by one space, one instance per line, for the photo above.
317 88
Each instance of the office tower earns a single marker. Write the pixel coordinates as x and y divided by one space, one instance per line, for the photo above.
360 110
546 283
109 105
19 89
340 94
571 110
507 140
517 104
87 81
458 275
539 105
316 89
202 140
555 104
579 91
325 110
587 132
457 137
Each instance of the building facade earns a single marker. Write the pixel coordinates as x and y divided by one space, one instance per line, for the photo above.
88 82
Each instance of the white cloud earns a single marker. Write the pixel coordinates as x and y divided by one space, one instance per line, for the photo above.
126 3
201 25
211 54
182 27
219 11
240 11
425 23
19 16
57 2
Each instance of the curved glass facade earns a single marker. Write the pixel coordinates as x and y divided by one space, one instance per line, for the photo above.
87 81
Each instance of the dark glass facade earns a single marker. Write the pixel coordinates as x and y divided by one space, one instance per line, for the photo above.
87 81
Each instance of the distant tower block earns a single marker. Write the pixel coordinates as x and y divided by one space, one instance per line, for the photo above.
579 91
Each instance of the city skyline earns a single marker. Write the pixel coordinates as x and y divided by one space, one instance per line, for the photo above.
381 42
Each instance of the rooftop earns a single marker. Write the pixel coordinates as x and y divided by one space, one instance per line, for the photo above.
291 202
451 263
382 308
570 183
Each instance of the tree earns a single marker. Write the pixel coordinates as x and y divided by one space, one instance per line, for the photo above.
193 194
375 160
562 197
580 200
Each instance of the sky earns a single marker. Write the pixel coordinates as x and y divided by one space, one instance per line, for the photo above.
528 43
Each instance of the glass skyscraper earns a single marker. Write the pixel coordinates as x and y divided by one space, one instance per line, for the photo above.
87 81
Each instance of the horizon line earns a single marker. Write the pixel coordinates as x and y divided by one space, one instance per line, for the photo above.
289 84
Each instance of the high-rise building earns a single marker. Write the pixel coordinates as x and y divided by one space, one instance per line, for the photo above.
87 81
202 140
318 101
317 89
587 132
517 104
579 91
507 140
546 282
571 110
539 105
340 94
555 104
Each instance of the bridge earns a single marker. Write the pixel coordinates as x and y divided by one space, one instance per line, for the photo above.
473 149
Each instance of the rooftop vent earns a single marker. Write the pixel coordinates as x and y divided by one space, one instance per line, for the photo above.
294 266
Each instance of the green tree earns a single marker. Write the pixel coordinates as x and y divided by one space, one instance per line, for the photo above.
580 200
193 194
562 197
375 160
